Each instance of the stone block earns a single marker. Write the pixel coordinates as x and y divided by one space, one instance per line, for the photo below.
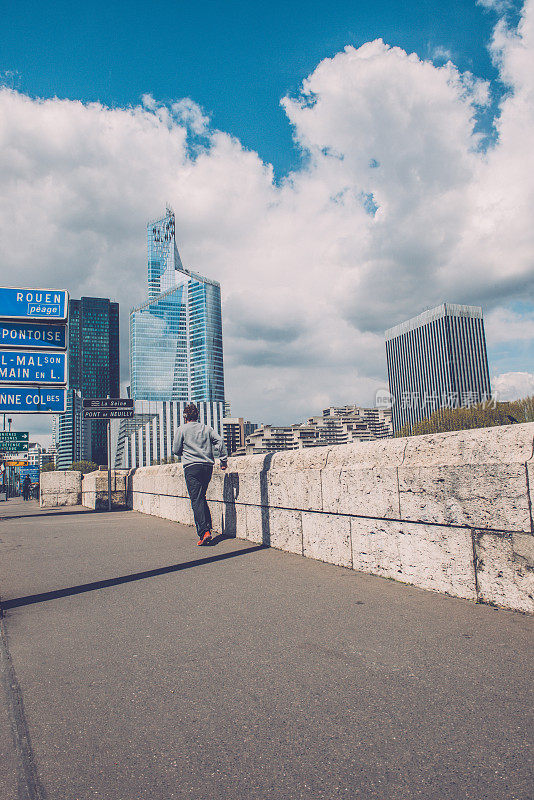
140 481
168 508
282 529
429 556
476 495
234 520
68 498
256 521
48 499
61 481
217 516
507 444
216 487
249 486
71 481
326 537
360 490
505 570
530 483
377 454
296 488
224 486
172 485
89 499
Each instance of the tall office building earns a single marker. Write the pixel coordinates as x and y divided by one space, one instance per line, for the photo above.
176 352
437 360
93 372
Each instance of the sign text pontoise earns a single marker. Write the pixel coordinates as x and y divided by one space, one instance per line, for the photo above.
33 335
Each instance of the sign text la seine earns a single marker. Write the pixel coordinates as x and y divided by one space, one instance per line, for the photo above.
107 407
33 335
108 402
32 400
38 304
27 366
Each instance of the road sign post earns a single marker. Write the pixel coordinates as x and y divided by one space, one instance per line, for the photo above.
108 408
109 464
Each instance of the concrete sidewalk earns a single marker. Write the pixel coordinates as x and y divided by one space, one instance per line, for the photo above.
138 665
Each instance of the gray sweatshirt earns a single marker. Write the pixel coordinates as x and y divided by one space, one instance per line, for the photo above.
197 443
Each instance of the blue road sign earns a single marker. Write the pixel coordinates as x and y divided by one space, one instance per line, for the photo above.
32 400
28 366
38 304
33 335
32 471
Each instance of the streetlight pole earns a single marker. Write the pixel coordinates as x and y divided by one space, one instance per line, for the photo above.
109 464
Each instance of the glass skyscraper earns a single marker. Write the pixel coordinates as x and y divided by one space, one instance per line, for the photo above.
176 351
93 372
437 360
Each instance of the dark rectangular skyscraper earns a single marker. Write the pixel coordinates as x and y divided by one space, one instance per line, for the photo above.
93 372
437 360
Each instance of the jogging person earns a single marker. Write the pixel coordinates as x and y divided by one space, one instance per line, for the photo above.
196 443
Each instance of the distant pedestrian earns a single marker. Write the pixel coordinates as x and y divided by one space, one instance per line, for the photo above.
198 444
26 485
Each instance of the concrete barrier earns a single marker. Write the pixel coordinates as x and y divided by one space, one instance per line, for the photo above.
61 488
95 489
449 512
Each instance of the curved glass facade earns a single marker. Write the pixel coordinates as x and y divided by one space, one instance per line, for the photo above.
176 350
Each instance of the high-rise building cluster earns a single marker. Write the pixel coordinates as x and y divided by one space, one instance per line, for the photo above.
435 360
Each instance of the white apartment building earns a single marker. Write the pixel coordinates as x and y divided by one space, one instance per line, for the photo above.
337 425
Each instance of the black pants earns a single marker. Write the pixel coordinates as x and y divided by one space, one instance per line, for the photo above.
197 478
26 493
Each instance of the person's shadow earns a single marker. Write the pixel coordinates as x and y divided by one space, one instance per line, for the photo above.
230 495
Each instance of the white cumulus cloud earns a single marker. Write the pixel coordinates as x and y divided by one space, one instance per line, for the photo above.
396 207
513 385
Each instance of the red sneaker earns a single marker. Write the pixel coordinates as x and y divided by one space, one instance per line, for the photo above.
205 538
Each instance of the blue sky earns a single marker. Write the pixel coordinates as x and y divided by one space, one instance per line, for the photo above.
310 278
236 59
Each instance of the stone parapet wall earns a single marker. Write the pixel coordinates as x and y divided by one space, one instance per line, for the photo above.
60 488
95 489
450 512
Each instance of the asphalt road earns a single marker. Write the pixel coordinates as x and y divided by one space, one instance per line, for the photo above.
137 666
